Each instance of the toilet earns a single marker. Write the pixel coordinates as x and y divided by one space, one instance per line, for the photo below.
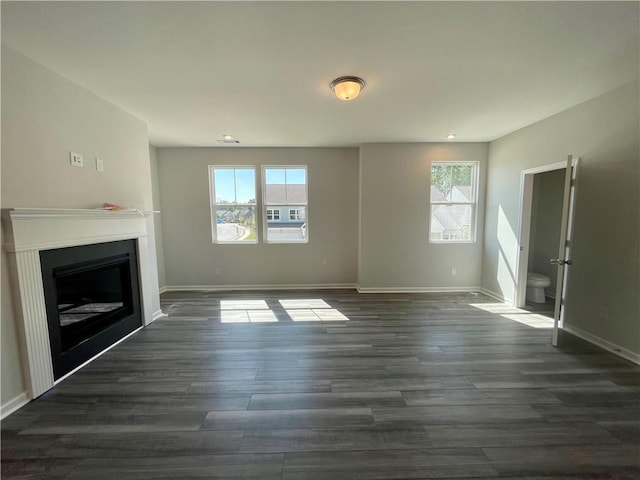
536 283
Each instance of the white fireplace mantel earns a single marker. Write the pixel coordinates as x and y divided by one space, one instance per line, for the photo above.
28 231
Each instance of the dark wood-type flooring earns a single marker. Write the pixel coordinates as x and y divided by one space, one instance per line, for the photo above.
405 386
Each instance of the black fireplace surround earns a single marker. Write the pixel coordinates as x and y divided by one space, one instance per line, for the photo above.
92 298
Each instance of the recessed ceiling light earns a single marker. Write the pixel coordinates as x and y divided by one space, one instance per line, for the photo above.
451 136
226 138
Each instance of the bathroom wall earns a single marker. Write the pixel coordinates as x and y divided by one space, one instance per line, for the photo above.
546 217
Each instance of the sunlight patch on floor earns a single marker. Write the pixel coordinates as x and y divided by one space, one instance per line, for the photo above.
304 303
298 310
247 316
534 320
243 305
311 310
316 315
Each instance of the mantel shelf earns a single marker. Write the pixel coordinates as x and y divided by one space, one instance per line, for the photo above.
72 212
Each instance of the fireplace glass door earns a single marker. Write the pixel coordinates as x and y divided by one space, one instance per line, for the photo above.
92 299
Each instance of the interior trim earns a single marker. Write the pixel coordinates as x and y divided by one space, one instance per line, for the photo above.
602 343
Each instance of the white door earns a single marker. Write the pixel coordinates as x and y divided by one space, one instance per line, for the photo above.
563 261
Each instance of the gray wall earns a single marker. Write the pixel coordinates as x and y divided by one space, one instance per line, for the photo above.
157 216
43 117
546 218
190 256
603 294
395 252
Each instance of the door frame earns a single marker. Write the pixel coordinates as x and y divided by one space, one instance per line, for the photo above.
524 224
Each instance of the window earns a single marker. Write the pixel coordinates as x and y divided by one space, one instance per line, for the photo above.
233 204
453 201
296 214
285 188
273 214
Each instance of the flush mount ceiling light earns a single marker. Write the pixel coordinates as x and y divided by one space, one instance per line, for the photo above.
347 88
451 136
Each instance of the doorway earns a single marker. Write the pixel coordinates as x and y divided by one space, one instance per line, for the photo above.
544 235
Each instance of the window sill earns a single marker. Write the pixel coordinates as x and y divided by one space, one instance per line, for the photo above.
452 242
235 243
285 242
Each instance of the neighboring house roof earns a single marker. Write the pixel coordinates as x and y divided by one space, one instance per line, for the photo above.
458 194
446 219
285 194
436 195
451 218
461 194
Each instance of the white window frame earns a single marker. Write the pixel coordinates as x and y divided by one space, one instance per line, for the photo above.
266 206
474 203
213 204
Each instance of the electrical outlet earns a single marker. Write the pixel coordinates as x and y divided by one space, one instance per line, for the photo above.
218 271
99 165
454 272
76 159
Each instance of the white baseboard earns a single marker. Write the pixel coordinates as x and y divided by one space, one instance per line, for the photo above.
602 343
209 288
157 314
14 404
325 286
497 296
161 290
417 289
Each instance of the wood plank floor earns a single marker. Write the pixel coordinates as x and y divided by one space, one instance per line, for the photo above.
335 385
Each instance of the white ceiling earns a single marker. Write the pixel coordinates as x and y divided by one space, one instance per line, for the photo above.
261 70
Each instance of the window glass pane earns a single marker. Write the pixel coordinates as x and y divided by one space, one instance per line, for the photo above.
275 187
440 183
224 185
462 183
235 185
451 222
296 185
236 224
296 176
452 183
462 175
245 185
288 223
275 176
285 185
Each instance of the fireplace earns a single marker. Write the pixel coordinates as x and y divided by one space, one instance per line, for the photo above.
92 299
131 279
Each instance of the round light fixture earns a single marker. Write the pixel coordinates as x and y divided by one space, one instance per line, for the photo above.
347 88
451 136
